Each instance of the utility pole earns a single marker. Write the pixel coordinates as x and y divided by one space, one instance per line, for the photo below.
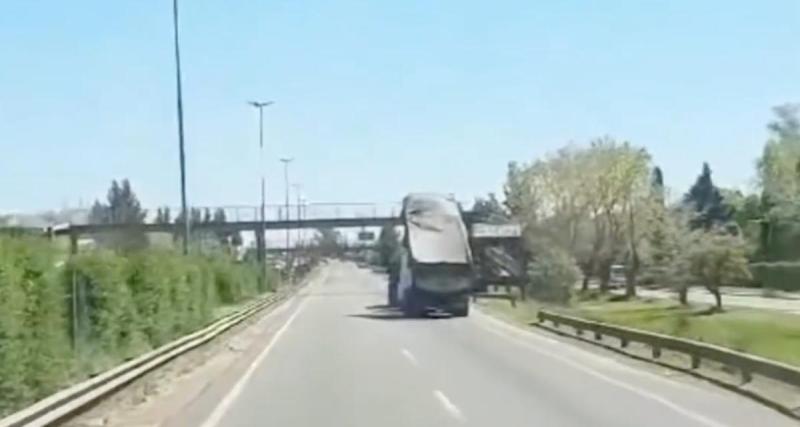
297 187
180 130
286 161
261 247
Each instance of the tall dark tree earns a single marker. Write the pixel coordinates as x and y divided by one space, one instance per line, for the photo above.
657 185
657 233
388 245
707 202
328 242
232 238
195 217
163 216
489 210
121 207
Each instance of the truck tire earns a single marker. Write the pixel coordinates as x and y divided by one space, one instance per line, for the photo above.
392 294
411 305
460 308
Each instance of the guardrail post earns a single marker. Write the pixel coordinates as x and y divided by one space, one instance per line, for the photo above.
746 376
597 335
73 242
695 361
623 342
656 352
579 332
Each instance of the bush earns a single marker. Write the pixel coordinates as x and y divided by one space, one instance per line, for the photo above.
783 275
122 305
109 324
553 274
33 323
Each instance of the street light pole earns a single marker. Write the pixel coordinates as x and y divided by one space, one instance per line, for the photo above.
297 188
286 161
182 150
261 246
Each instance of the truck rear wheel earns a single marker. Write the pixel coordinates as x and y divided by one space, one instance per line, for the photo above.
392 294
411 305
460 308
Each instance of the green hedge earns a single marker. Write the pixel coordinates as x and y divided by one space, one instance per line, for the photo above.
783 275
62 320
34 335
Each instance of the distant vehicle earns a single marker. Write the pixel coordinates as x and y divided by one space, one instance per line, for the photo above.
617 276
435 266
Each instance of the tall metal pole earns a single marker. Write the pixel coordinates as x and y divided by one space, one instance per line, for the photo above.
297 188
180 131
261 246
286 162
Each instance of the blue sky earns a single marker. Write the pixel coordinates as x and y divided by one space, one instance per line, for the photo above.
376 99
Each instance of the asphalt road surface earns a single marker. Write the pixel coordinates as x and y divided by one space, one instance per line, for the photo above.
340 358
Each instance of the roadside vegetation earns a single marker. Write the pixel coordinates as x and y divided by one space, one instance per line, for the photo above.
64 318
588 208
765 333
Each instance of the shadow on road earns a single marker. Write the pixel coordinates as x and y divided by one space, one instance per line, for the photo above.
380 316
387 312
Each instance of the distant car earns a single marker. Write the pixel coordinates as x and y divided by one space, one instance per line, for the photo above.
617 279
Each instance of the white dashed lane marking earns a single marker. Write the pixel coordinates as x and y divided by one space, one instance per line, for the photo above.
449 406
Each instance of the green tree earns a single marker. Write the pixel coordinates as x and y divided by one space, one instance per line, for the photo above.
552 275
489 210
778 166
121 207
195 217
388 245
592 202
328 242
706 200
716 260
163 216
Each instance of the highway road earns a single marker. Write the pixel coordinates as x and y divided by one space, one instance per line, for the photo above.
339 358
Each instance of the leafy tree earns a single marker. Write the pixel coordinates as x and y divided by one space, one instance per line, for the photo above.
489 210
552 274
592 202
717 260
163 216
227 238
121 207
195 217
658 227
328 242
743 208
707 202
520 196
388 245
657 185
778 166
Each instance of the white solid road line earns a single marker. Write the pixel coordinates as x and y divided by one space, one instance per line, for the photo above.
621 384
451 408
409 356
227 401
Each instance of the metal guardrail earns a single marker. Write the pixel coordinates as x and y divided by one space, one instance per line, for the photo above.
71 401
747 364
